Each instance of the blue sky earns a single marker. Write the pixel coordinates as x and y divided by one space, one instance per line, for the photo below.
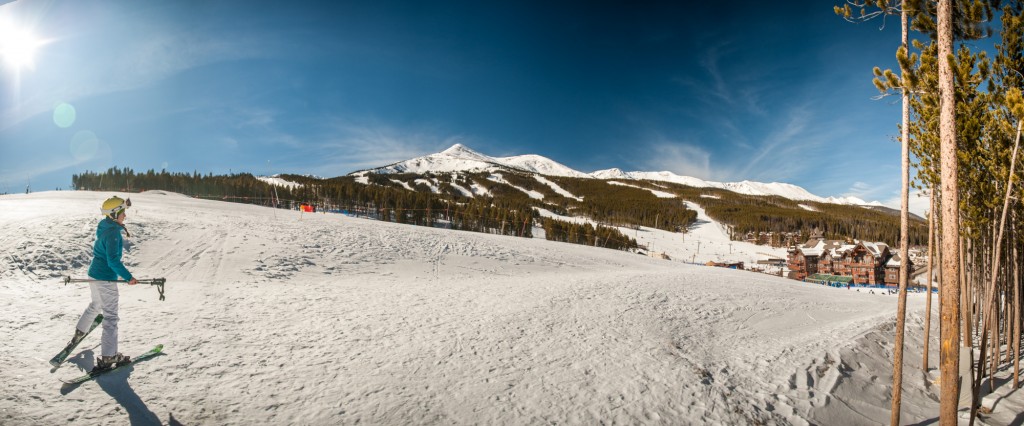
747 90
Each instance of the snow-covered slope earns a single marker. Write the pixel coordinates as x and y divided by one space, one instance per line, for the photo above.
746 187
279 317
659 176
461 158
705 241
278 181
541 165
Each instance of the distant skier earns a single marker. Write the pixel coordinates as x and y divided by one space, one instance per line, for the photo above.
106 266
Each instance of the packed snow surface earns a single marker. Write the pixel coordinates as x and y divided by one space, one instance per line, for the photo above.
282 317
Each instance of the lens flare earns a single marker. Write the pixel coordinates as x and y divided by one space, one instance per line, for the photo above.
84 145
64 115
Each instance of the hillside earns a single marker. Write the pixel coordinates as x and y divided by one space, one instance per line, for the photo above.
463 189
460 158
774 210
278 317
663 205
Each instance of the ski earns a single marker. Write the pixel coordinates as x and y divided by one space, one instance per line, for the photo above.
94 374
59 359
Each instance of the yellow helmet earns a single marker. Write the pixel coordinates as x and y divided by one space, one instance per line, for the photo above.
114 206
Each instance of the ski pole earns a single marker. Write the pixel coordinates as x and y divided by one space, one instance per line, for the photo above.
158 282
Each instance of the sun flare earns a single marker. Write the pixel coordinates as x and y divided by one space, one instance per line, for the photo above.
18 48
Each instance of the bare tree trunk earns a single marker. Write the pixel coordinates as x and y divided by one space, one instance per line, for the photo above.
938 257
991 312
1007 303
990 307
994 341
1016 313
1006 298
949 329
901 310
965 291
928 305
1010 300
1003 318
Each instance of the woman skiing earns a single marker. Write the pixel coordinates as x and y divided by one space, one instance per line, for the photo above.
105 268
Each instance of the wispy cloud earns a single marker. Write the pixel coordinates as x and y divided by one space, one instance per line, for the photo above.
718 88
156 58
752 100
782 144
861 190
261 125
354 146
230 142
889 194
917 201
680 158
766 151
734 99
768 158
250 117
736 87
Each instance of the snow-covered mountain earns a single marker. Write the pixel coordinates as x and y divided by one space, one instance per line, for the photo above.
460 158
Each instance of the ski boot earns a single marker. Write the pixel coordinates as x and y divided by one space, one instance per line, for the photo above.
79 335
109 362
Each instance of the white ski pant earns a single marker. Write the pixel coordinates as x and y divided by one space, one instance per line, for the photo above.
104 301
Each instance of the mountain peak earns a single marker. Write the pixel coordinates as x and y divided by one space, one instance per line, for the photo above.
612 173
460 149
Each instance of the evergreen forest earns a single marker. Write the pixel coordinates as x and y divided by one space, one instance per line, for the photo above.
503 204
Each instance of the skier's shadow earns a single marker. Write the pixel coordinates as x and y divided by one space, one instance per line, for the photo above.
116 385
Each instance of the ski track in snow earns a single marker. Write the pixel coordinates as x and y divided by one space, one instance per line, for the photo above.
281 317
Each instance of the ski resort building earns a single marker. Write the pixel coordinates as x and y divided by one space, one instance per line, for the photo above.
892 270
864 262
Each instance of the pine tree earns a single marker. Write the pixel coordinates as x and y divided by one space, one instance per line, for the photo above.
950 348
938 123
887 7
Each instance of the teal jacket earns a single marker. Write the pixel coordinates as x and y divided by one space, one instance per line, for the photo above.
106 253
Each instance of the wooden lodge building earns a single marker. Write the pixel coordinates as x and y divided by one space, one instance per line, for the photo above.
857 262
